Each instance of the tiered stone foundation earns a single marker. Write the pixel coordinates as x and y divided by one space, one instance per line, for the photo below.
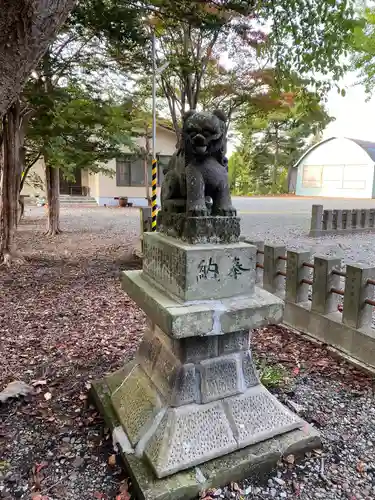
192 394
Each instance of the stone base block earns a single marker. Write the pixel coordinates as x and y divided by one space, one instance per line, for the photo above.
252 461
185 371
176 438
212 229
181 319
196 272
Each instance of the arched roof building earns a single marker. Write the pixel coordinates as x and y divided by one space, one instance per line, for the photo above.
336 167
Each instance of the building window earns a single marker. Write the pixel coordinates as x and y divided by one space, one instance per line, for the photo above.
123 172
163 161
354 177
130 171
333 176
312 176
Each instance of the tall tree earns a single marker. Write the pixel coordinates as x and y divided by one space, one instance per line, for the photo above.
26 29
73 129
74 69
307 44
272 141
190 35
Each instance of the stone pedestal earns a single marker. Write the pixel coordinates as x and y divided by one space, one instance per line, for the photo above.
192 396
210 229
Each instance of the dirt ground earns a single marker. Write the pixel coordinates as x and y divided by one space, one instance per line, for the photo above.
65 321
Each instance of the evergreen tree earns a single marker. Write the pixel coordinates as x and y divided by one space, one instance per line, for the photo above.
272 141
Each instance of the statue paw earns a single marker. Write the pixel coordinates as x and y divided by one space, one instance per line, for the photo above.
197 211
227 211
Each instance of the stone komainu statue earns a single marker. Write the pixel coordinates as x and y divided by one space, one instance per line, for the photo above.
196 179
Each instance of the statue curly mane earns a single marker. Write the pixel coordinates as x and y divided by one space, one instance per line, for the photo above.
200 161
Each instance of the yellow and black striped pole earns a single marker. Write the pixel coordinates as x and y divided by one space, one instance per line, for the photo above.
154 205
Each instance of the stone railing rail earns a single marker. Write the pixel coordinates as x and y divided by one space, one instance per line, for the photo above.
290 274
341 221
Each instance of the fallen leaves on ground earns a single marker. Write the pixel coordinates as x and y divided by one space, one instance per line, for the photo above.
123 491
64 322
99 495
361 467
278 344
289 459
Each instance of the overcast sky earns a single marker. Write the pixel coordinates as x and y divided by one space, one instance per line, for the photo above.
355 118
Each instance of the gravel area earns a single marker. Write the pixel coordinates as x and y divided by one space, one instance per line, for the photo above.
335 398
292 232
64 321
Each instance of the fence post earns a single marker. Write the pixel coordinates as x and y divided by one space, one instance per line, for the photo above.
367 218
259 258
337 219
316 220
357 218
272 281
323 301
349 219
372 217
356 313
328 220
145 213
296 291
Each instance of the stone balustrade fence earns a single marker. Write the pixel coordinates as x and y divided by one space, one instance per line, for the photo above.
340 316
340 221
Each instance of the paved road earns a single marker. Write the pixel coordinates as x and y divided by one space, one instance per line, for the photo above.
295 207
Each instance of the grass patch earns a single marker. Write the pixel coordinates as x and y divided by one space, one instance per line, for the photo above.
271 376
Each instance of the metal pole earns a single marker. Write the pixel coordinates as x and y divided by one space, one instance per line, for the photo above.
154 160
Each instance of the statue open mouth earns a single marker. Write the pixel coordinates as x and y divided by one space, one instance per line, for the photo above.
200 149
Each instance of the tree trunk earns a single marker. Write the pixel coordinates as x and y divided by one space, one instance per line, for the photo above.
9 182
53 201
26 29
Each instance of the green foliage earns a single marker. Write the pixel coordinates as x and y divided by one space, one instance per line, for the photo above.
80 90
239 165
271 376
363 50
74 123
308 37
118 26
273 140
79 132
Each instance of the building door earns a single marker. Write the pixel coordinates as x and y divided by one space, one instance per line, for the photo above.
68 186
292 179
